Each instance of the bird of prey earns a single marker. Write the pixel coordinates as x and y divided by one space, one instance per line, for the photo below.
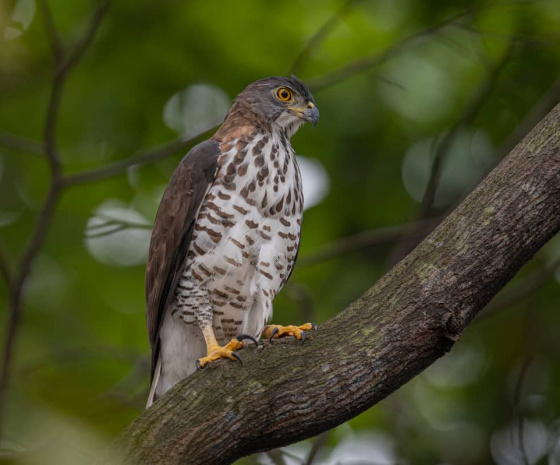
226 235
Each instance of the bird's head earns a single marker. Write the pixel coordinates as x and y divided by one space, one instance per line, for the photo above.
283 104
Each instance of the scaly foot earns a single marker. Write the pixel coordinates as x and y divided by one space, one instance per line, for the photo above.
275 331
216 352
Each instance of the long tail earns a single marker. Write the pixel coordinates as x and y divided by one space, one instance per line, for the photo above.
152 396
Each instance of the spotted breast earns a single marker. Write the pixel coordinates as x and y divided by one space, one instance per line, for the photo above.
243 247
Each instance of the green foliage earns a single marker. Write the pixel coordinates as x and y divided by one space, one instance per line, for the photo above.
80 372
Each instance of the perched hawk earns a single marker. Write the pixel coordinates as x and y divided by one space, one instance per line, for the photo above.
226 235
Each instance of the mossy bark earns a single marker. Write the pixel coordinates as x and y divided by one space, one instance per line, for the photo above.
286 391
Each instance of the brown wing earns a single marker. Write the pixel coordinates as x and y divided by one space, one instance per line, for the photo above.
172 232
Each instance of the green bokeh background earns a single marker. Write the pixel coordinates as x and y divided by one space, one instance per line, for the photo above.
80 372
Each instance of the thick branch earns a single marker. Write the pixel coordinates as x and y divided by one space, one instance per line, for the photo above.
285 391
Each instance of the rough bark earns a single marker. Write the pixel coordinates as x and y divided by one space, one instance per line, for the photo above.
286 392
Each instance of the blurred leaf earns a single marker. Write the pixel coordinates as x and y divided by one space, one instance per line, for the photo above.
196 108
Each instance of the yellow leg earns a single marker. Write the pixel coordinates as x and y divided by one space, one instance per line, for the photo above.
214 351
275 331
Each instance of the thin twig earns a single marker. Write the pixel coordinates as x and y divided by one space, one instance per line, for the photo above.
318 443
5 266
94 230
118 227
113 222
22 144
363 239
362 64
83 44
520 290
144 157
109 232
531 118
52 32
38 236
276 456
517 409
550 98
321 34
442 150
16 290
470 111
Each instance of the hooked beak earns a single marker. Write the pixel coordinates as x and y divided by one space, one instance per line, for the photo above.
311 114
308 113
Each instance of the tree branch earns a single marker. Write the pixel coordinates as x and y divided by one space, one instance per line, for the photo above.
38 237
142 158
12 141
362 64
52 32
363 239
285 391
321 34
468 114
5 266
520 290
475 104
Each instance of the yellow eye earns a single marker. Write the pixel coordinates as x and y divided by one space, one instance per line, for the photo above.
284 94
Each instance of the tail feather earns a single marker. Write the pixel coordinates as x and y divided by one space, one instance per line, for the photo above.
152 396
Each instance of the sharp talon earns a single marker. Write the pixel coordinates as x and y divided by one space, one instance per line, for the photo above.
302 337
315 327
246 336
237 357
274 332
198 367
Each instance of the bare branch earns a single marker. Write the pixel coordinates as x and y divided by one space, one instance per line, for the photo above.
362 64
286 392
319 442
114 224
5 266
363 239
141 159
550 98
470 111
517 408
520 290
52 32
22 144
83 44
39 234
17 284
321 34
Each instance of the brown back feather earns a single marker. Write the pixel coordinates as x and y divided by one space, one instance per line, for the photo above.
172 233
